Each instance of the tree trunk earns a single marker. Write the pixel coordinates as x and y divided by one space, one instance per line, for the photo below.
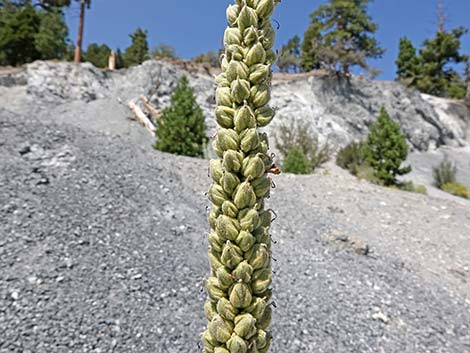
78 48
467 96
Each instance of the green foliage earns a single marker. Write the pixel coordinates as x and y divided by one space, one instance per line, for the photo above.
163 51
98 55
299 136
444 173
410 187
340 36
138 51
386 149
296 162
183 130
210 58
351 157
407 62
290 55
51 39
457 189
366 172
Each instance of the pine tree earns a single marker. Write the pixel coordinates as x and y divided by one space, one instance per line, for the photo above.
119 59
98 55
340 36
51 40
138 51
407 62
183 128
386 149
290 55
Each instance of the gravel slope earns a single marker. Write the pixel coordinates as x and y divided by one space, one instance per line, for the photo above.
102 249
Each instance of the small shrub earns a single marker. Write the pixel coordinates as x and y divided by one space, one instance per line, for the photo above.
296 162
457 189
299 136
351 157
444 173
411 187
366 172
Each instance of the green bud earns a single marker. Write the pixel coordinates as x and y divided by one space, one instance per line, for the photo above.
249 219
261 235
271 57
244 196
250 36
265 349
216 170
221 80
264 322
234 52
217 195
220 350
229 182
257 308
265 8
256 55
212 218
232 14
244 118
220 329
227 139
261 186
252 3
245 240
237 69
245 326
232 36
261 280
243 272
224 116
229 209
247 18
240 90
214 261
258 256
240 296
249 140
236 344
259 73
253 167
231 255
226 309
227 228
215 242
262 338
214 289
264 115
260 95
222 96
210 310
232 161
266 218
208 341
224 277
269 35
224 62
218 151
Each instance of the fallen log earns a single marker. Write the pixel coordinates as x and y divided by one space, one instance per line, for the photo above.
142 118
152 110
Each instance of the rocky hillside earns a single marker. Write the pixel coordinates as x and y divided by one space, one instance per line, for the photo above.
102 239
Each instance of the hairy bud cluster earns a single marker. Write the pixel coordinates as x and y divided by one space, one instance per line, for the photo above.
239 241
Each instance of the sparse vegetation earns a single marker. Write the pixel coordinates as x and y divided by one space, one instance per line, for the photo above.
444 173
457 189
296 162
351 157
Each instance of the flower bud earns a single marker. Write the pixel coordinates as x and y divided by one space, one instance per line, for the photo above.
221 80
249 220
215 242
232 14
224 63
265 320
271 57
227 139
240 90
249 140
247 18
224 277
269 35
261 235
244 196
253 166
214 289
237 69
220 350
245 326
231 255
224 116
218 151
258 256
265 8
234 52
243 272
259 73
257 308
220 329
264 115
256 55
232 36
227 228
226 309
244 118
232 161
261 186
216 170
208 341
252 3
236 344
229 182
261 280
260 95
265 349
210 310
240 296
245 240
229 209
250 36
215 264
212 218
222 96
217 195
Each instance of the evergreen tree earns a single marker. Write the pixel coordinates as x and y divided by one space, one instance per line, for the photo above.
407 62
386 149
138 51
98 55
340 36
119 59
164 51
183 128
51 39
290 55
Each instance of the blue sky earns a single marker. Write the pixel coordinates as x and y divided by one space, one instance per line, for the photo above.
196 26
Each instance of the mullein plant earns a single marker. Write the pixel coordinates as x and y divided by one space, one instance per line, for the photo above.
238 310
